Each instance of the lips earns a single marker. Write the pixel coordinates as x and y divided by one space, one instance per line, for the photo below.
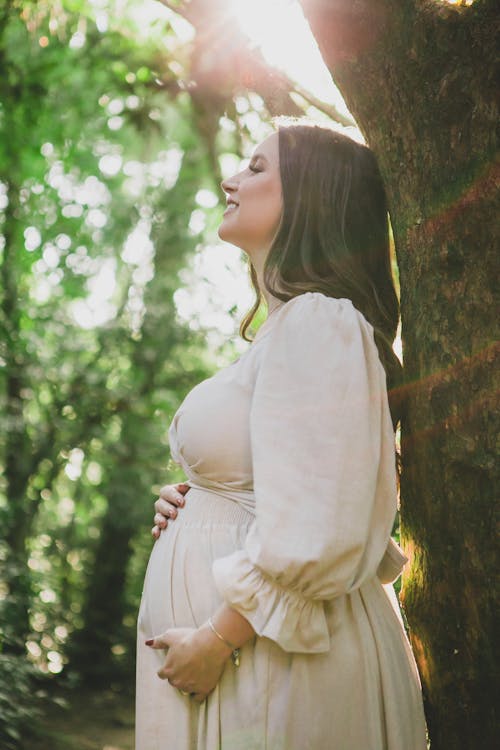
231 206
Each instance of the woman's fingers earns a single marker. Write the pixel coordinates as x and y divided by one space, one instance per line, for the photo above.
161 519
164 509
173 496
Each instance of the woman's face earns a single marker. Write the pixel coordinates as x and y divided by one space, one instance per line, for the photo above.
254 201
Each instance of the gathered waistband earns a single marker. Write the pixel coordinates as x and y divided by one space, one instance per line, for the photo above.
204 505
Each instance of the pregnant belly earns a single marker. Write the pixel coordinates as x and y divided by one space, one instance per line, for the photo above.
179 589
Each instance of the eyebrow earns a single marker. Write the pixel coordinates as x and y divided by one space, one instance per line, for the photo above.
258 156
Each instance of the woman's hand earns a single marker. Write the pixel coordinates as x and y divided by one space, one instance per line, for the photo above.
195 659
171 497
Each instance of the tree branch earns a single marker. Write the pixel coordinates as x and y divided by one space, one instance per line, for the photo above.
327 109
224 62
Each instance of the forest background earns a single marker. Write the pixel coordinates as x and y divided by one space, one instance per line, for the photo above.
118 120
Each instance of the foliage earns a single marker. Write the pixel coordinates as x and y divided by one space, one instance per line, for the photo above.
18 703
99 173
20 699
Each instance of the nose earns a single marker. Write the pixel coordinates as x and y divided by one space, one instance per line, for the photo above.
230 184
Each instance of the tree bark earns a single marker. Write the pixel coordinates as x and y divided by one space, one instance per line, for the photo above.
419 79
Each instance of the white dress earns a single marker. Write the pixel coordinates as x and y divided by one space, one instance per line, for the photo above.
289 452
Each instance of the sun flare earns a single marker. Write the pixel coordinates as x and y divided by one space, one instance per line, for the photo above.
280 30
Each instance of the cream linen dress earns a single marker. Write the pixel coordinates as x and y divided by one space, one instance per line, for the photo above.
289 453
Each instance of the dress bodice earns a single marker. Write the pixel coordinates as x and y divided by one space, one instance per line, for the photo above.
209 434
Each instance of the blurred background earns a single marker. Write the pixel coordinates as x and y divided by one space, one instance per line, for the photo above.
118 120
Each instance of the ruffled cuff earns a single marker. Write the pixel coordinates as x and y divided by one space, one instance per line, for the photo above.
392 564
295 623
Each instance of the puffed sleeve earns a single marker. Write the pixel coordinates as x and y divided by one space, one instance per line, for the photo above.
324 473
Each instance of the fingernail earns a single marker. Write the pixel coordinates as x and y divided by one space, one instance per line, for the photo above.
150 641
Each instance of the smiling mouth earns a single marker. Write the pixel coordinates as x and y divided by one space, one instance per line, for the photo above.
231 207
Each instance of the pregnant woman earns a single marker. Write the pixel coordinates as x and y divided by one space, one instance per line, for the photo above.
265 623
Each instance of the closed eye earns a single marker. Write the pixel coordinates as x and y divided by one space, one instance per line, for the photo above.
254 169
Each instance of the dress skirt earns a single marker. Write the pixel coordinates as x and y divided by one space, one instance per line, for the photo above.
363 694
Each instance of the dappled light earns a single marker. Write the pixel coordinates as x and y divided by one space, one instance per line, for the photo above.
118 122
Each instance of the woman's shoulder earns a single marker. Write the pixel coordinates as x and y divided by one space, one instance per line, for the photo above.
318 339
314 313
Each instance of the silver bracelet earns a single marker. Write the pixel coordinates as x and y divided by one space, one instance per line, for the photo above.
235 656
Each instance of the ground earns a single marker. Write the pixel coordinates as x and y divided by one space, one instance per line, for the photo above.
90 721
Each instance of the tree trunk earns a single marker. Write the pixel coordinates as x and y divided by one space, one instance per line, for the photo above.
17 445
419 79
90 650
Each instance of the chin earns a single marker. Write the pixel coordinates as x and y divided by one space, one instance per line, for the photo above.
225 233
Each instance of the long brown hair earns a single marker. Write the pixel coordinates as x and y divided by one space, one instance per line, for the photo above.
334 235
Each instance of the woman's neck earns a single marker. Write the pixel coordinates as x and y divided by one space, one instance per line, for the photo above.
271 301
